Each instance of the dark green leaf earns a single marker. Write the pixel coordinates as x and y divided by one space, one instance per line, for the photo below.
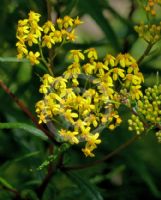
5 183
28 128
85 186
12 59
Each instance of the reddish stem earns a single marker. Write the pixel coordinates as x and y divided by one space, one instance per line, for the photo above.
106 157
23 107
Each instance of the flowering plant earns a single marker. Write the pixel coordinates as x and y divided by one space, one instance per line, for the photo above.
86 99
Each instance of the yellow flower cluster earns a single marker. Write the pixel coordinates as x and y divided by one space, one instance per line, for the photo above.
150 7
30 34
148 110
150 33
87 97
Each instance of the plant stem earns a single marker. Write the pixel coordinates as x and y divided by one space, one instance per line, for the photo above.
45 62
23 107
13 191
49 12
51 170
106 157
146 52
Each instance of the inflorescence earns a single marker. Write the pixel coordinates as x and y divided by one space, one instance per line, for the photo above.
150 6
151 33
92 106
147 112
32 37
86 98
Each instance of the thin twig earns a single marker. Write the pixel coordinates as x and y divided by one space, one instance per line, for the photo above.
51 51
23 107
132 9
146 52
51 170
13 191
49 10
106 157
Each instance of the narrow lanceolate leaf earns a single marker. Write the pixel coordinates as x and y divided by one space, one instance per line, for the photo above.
5 183
85 186
94 9
28 128
12 59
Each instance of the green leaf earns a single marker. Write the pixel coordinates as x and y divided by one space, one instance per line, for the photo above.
29 194
85 186
28 155
143 172
69 7
95 10
12 59
145 175
5 183
28 128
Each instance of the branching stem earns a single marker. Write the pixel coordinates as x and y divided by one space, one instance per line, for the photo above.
146 52
23 107
106 157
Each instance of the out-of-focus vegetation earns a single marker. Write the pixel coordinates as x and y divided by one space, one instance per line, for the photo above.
132 174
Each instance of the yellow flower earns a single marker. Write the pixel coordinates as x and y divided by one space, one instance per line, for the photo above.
132 79
69 115
75 82
133 68
124 60
48 41
36 29
71 36
23 22
89 68
34 17
70 136
85 132
48 26
77 55
59 22
67 22
52 108
136 92
32 38
33 57
40 105
93 140
88 152
91 119
44 89
22 28
59 83
117 72
100 67
106 90
105 78
42 118
56 36
104 118
112 127
109 60
77 21
22 49
73 71
91 53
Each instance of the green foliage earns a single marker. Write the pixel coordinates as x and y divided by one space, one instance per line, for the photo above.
28 128
85 186
132 174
